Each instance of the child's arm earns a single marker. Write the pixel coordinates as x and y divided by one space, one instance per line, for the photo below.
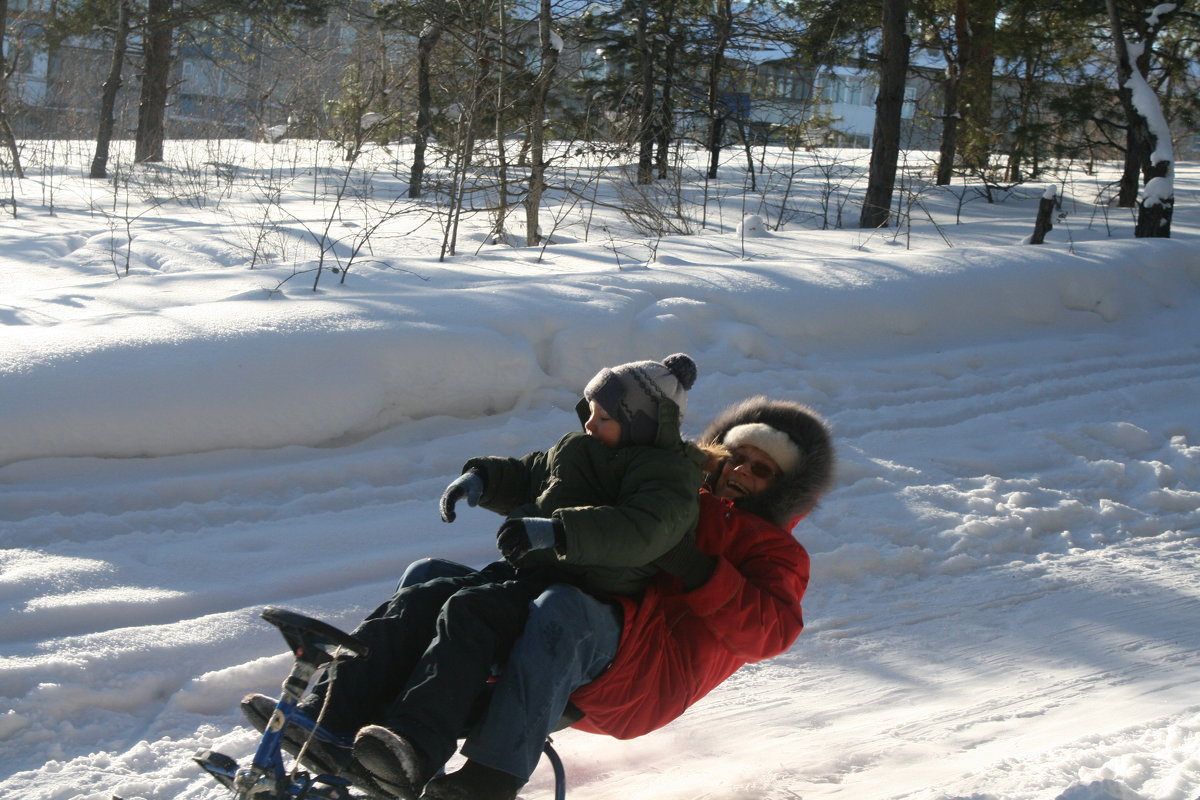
509 482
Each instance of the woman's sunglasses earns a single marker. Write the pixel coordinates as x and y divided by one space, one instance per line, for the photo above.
760 469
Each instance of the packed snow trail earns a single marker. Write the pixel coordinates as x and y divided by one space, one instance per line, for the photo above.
1008 560
1004 603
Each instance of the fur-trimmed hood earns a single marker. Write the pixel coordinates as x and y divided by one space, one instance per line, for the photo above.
797 491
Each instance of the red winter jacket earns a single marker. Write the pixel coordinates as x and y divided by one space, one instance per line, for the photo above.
676 647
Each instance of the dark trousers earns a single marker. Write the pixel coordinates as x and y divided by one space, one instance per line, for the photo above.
433 647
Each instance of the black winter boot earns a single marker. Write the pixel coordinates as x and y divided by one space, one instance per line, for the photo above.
393 763
473 782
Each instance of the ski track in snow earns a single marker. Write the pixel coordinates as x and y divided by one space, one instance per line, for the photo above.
1004 603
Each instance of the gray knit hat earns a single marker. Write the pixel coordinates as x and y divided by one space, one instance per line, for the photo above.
631 393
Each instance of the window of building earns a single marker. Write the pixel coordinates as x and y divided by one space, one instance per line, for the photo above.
846 89
205 78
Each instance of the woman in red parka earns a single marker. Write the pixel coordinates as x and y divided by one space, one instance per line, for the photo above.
728 596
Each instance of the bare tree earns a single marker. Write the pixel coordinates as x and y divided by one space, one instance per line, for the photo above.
108 99
948 146
885 147
646 49
722 19
550 45
6 70
1149 138
976 30
157 38
425 44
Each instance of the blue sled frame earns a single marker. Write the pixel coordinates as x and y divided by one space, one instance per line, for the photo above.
314 644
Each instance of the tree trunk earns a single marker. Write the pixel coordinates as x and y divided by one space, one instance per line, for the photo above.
949 143
537 115
6 131
1154 217
108 98
745 134
1021 140
156 72
976 29
665 119
256 97
1135 139
1130 182
1045 216
717 111
645 122
483 68
425 45
498 130
716 137
1148 147
885 149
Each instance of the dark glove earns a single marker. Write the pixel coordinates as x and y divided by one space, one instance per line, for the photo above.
520 535
468 485
686 562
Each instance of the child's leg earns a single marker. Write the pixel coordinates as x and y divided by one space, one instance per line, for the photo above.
475 630
358 691
428 569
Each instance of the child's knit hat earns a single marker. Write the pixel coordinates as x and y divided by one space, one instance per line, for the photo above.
631 393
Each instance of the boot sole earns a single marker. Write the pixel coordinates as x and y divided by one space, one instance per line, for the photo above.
393 771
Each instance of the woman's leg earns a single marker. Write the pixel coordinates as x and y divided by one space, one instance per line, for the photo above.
570 638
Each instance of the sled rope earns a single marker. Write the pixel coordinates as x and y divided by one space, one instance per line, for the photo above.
337 653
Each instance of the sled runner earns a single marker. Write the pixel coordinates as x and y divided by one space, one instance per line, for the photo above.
314 644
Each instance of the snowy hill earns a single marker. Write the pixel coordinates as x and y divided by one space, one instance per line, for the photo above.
1004 603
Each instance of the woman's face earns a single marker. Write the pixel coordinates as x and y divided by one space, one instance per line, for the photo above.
602 426
746 472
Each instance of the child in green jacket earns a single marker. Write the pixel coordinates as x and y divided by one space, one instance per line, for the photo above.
601 505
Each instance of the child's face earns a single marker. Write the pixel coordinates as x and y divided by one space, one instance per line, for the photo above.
602 426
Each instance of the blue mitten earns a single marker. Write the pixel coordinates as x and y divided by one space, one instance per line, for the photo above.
520 535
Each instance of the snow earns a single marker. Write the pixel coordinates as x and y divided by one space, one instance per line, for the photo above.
1160 190
370 120
1153 19
1004 603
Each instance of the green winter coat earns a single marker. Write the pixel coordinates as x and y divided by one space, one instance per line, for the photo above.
620 508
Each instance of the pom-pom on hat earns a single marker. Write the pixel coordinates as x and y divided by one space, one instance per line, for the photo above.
631 393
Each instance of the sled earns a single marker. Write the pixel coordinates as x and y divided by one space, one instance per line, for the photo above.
315 644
